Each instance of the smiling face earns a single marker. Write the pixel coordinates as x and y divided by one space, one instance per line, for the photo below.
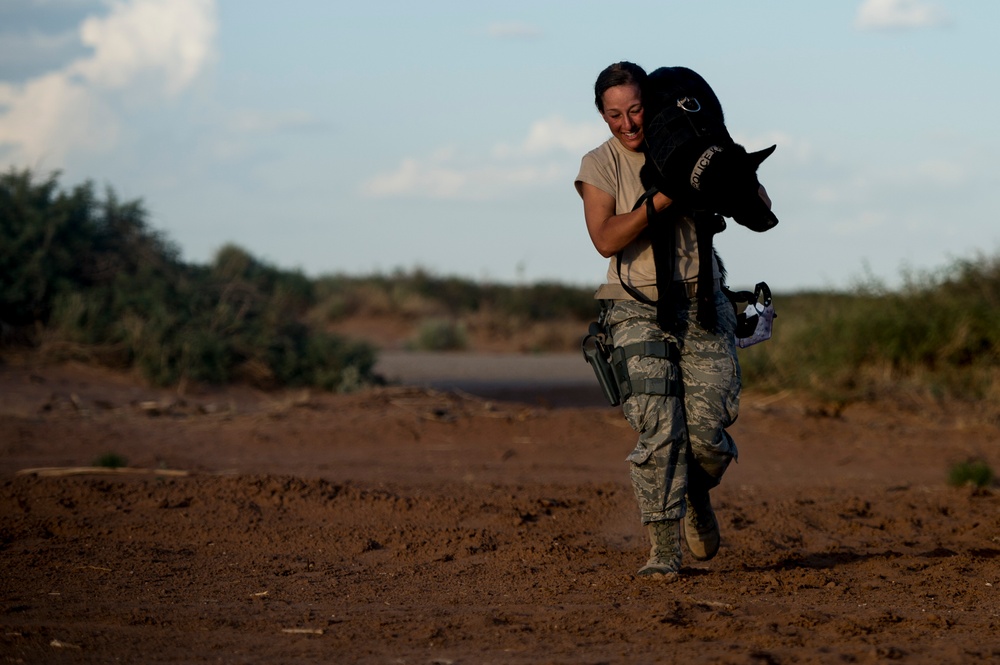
623 113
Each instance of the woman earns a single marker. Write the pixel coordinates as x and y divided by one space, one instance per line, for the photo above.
685 379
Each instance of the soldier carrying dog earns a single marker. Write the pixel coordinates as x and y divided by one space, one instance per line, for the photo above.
667 315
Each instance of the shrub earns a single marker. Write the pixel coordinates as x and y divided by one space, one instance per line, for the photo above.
974 472
111 460
938 336
420 293
100 284
440 335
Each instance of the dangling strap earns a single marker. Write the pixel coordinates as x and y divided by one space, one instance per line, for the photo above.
706 226
663 240
661 236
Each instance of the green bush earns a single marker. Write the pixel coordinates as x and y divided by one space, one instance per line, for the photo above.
440 335
111 460
101 285
975 472
343 296
937 336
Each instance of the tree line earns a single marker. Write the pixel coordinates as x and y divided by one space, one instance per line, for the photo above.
82 275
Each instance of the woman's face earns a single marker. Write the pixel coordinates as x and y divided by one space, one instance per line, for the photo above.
623 113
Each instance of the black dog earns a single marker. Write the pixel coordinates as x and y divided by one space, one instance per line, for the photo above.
690 155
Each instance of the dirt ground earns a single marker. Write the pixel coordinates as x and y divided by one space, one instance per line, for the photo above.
410 525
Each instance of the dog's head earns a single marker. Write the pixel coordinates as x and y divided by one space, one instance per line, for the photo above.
724 179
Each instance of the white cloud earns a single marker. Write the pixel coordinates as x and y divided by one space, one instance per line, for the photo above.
514 30
549 153
899 14
44 119
442 178
163 43
423 178
556 134
170 37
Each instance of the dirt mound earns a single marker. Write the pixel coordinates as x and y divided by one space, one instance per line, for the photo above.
422 526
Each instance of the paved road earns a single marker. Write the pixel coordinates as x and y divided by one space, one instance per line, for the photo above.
554 379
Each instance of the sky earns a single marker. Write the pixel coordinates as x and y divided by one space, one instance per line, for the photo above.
368 137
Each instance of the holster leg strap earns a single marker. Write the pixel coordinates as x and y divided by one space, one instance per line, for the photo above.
652 386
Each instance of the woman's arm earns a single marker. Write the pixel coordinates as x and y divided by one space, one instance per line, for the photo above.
609 232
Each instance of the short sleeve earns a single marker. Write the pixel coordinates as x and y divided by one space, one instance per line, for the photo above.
597 172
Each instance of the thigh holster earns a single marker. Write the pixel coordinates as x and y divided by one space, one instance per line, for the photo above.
627 386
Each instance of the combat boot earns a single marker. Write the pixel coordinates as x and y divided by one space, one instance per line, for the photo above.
701 529
665 554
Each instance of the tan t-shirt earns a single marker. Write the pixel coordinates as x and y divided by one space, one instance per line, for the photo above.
614 169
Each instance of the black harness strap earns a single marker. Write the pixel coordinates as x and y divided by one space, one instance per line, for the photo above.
706 226
649 349
647 199
653 387
663 234
661 238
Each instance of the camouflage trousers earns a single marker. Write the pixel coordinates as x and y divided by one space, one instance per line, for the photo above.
682 439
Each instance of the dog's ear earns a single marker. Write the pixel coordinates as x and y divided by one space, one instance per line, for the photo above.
756 158
754 214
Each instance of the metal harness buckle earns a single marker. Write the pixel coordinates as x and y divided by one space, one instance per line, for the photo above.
684 102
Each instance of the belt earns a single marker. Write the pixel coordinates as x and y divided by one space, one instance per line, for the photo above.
678 290
687 290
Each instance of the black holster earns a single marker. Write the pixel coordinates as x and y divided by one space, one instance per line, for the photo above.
610 363
597 349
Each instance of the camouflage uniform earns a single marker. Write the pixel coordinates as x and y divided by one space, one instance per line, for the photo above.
682 440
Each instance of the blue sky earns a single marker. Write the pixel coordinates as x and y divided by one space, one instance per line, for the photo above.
346 137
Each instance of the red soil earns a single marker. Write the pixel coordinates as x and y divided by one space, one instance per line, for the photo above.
411 526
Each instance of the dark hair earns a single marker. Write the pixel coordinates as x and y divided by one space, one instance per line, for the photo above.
620 73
